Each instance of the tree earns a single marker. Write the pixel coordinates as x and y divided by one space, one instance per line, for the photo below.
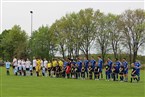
14 42
87 26
102 34
1 46
133 28
67 31
115 35
73 34
42 43
58 29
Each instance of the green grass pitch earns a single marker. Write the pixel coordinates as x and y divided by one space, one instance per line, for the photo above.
19 86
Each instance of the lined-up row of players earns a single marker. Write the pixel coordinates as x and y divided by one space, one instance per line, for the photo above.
69 68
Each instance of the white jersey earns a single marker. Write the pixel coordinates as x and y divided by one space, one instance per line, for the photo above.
34 63
19 62
15 62
24 65
43 70
28 64
42 63
45 63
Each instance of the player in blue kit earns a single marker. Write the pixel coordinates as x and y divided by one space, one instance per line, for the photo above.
109 62
134 73
100 65
86 63
76 71
121 72
138 66
72 71
93 62
118 64
83 71
114 72
65 63
79 63
90 71
125 64
107 67
96 72
8 67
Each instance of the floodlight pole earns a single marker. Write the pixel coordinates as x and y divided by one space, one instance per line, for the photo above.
31 12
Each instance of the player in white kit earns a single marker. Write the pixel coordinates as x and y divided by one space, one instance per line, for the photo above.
34 64
15 65
28 63
24 67
20 66
45 66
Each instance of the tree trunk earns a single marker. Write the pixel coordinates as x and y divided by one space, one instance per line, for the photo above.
62 49
134 56
115 55
76 54
135 49
87 54
114 46
103 54
130 55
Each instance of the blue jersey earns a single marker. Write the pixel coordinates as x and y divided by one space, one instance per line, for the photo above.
8 65
118 63
110 64
86 63
100 63
79 65
65 64
125 64
137 65
73 62
93 62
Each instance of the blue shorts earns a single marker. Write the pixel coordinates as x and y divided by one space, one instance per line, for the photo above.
86 70
138 73
117 71
125 71
79 69
107 72
110 71
93 68
100 70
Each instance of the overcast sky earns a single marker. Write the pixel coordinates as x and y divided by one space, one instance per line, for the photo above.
45 13
73 0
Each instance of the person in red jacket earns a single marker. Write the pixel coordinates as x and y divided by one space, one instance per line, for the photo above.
68 69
